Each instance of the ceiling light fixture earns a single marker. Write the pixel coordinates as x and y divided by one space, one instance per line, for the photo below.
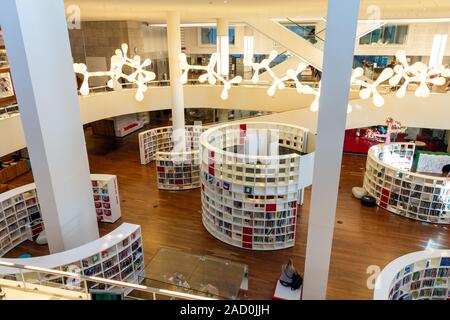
140 76
211 75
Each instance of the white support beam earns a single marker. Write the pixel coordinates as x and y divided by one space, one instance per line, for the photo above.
39 52
223 47
176 87
338 59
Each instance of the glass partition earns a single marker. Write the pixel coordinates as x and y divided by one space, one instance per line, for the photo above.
208 276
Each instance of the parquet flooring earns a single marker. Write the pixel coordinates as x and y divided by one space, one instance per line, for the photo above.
363 236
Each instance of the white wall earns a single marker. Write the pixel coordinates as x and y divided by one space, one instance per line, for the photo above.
12 136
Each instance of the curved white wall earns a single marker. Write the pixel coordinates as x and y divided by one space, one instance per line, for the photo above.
432 112
292 108
103 105
111 104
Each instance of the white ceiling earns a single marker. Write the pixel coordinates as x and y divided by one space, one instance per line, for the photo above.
153 11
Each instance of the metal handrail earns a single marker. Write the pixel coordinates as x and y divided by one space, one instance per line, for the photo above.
300 26
85 279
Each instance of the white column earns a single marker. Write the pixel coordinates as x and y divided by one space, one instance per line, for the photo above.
249 48
338 59
439 44
176 87
223 47
41 65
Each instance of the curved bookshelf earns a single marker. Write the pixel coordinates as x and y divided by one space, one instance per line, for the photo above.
175 170
20 212
116 256
422 275
252 178
413 195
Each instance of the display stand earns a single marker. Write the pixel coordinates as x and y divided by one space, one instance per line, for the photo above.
416 196
117 256
20 213
251 190
106 197
423 275
175 170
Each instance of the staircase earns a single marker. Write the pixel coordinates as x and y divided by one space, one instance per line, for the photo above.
292 42
301 43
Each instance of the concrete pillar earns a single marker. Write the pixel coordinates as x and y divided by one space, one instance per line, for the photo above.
223 48
337 68
249 44
448 141
176 87
38 46
223 115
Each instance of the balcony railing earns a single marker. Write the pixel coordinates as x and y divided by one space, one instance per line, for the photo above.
32 279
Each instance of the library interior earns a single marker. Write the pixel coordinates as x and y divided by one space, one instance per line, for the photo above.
224 150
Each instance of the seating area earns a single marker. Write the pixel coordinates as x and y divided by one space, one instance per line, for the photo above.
356 141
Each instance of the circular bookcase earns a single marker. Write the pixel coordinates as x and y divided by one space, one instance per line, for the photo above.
175 170
388 178
422 275
252 179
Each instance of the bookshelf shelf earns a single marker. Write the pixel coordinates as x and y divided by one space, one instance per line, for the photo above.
423 275
252 180
98 258
20 213
106 197
416 196
175 170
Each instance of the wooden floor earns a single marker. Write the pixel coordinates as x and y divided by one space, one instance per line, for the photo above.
363 236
